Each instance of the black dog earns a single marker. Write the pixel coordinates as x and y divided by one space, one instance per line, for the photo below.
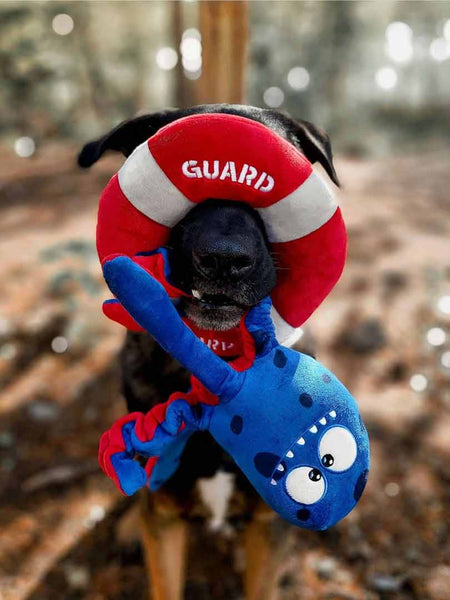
221 257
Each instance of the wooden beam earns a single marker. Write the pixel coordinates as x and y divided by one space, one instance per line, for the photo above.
224 30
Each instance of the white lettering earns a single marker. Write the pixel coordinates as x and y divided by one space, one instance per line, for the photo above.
190 169
248 175
229 170
269 185
215 172
260 180
251 176
243 173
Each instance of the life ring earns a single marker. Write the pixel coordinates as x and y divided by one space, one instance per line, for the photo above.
231 157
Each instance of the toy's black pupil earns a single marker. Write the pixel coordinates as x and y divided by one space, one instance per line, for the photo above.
328 460
315 475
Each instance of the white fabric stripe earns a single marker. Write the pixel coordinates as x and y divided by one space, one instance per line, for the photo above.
149 190
285 333
304 210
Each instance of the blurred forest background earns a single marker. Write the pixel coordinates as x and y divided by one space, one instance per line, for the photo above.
376 77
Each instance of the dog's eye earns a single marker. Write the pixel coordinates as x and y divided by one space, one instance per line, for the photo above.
305 485
337 449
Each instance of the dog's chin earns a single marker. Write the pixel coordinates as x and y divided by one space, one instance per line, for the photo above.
218 318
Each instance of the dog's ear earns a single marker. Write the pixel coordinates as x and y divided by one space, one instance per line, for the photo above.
127 136
314 143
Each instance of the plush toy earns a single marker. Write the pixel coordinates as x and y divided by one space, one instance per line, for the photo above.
228 156
290 425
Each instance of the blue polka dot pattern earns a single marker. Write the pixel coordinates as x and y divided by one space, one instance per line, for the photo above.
236 425
303 514
265 463
306 400
279 360
360 485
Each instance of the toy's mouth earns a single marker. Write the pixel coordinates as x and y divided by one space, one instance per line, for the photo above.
301 442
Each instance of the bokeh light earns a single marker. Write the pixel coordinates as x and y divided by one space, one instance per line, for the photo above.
273 97
399 45
444 305
60 344
386 78
25 147
191 32
298 78
392 489
192 64
62 24
440 49
191 53
192 75
8 351
445 359
447 30
436 336
418 382
191 48
166 58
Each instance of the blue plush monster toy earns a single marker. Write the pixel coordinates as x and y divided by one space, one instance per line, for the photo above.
290 425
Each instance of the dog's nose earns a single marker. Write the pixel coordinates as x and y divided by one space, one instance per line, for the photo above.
227 261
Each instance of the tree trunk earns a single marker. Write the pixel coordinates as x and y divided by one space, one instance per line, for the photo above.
224 29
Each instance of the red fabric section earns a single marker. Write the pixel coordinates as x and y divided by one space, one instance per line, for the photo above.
234 342
116 312
155 265
150 465
111 443
310 267
122 229
222 343
228 138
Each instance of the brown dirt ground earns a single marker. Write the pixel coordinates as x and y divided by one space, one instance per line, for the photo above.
66 533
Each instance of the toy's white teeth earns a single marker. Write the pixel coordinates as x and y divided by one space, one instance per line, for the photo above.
197 294
301 441
273 482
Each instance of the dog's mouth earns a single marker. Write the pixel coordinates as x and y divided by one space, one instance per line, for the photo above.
215 301
214 309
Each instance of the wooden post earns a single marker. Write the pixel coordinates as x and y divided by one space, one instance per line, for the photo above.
224 30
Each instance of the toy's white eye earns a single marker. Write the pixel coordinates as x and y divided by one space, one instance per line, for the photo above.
305 485
337 449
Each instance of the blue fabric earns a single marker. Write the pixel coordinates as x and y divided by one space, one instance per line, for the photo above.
288 422
131 475
148 303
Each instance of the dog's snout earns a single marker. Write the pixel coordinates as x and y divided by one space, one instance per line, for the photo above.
224 260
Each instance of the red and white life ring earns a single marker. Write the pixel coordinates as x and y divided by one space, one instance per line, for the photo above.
231 157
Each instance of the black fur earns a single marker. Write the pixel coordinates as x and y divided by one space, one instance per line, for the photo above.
220 250
124 138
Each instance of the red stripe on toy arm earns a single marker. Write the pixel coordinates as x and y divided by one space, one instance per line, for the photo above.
309 269
116 312
122 229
